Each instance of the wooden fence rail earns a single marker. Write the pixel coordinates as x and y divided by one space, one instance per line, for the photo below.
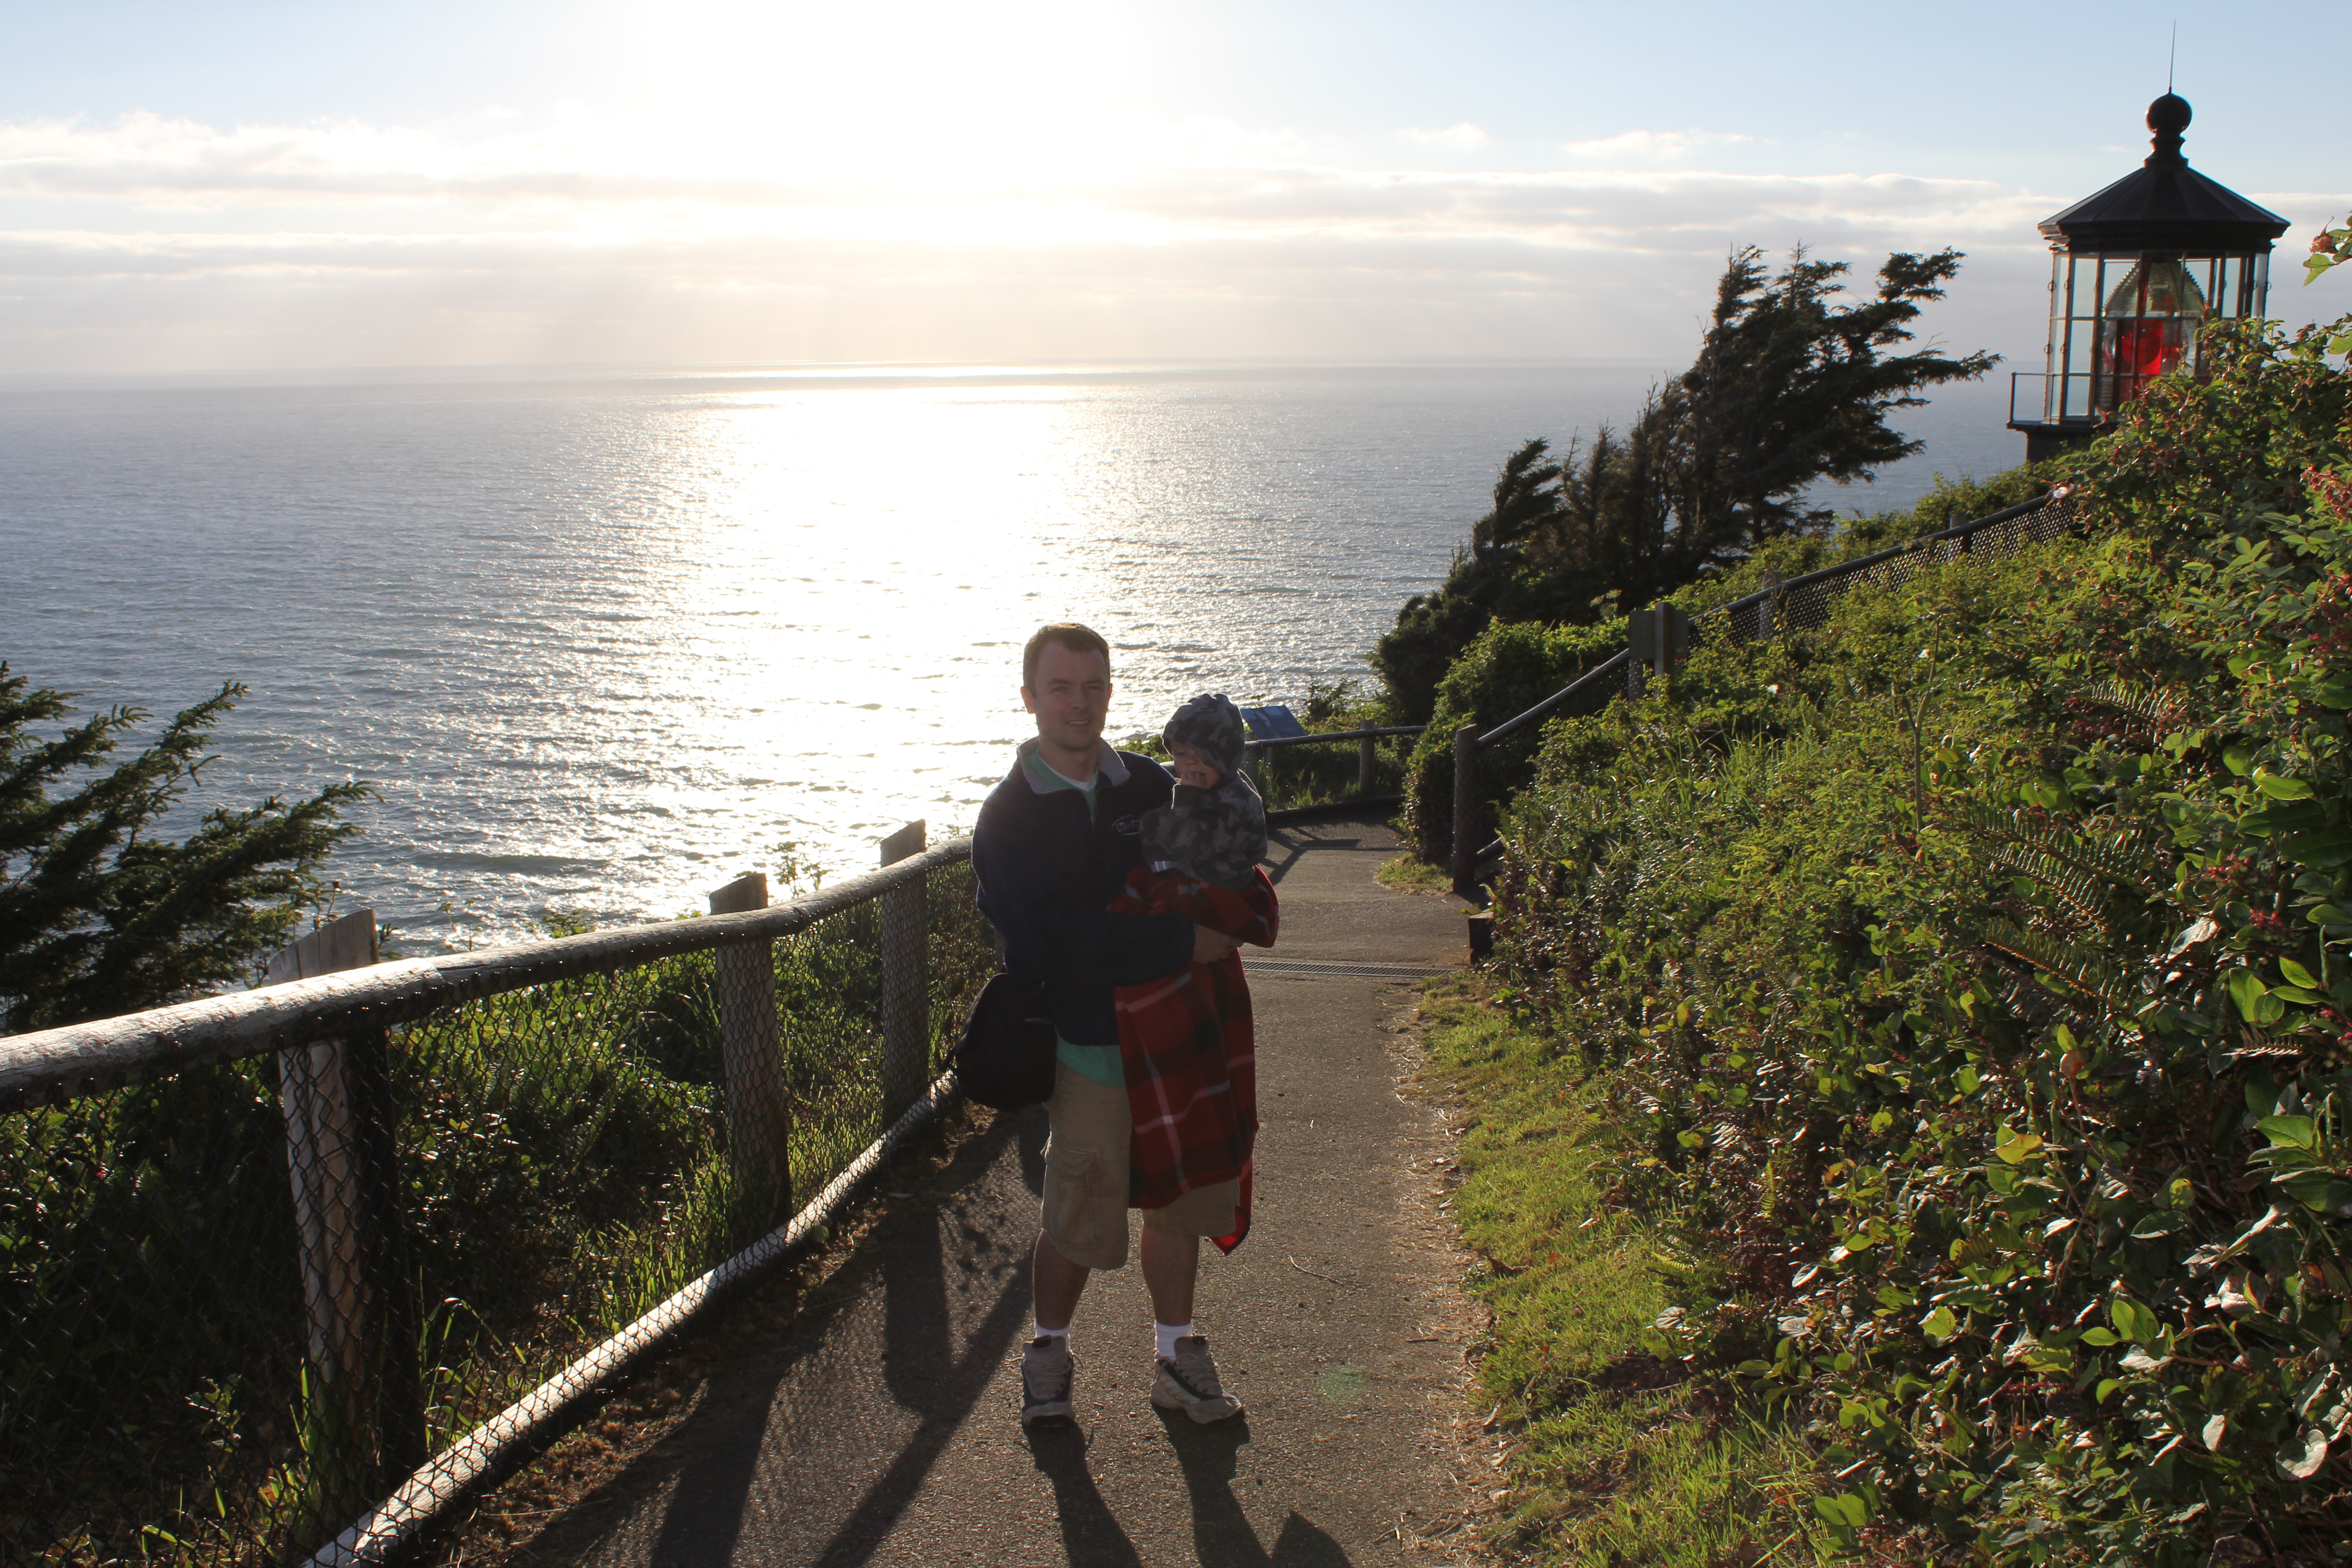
328 1014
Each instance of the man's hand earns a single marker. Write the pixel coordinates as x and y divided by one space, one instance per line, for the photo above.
1208 946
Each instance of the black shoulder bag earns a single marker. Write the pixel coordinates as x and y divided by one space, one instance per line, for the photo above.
1005 1059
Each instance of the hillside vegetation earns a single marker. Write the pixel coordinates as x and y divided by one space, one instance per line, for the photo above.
1953 1002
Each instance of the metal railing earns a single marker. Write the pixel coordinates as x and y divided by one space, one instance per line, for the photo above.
1658 638
286 1273
2037 405
1257 757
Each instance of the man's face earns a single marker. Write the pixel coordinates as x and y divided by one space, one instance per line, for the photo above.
1071 699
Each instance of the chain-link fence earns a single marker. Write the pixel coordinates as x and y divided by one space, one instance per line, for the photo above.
1803 603
271 1262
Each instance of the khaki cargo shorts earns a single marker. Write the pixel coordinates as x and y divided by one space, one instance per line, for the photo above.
1085 1178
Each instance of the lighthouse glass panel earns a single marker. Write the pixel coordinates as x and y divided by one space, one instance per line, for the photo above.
2148 326
2120 319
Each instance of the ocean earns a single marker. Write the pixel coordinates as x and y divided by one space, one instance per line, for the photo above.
600 643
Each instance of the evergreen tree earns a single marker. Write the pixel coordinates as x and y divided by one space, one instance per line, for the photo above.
1432 627
1791 387
99 915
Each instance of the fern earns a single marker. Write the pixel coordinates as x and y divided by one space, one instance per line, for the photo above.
2150 712
2082 893
2082 874
2074 966
2128 857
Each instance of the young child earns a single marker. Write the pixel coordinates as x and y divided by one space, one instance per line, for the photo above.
1188 1044
1215 830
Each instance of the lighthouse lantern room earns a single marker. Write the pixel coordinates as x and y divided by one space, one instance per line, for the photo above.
2134 271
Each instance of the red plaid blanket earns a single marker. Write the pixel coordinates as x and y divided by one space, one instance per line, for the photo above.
1190 1048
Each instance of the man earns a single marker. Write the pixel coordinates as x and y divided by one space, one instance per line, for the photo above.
1055 841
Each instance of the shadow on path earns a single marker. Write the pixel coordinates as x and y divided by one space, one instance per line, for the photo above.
1221 1532
920 1368
705 1516
709 1474
1091 1533
1291 845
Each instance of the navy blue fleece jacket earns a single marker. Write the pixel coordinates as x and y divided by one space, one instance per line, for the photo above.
1029 856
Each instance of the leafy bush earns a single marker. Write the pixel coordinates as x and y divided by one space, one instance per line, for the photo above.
1968 983
1511 667
1430 770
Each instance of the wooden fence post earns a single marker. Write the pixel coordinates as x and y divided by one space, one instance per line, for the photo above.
1365 759
1674 637
1465 809
759 1106
359 1303
906 981
1656 640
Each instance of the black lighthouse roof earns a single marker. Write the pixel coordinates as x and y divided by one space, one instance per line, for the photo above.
2164 203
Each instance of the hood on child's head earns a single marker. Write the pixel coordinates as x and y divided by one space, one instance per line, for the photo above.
1211 725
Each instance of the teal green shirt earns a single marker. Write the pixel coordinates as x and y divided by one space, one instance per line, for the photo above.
1101 1063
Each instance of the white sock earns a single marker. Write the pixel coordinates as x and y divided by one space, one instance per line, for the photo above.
1169 1334
1062 1335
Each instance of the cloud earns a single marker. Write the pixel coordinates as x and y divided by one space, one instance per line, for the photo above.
1638 144
563 180
166 244
1461 136
1584 209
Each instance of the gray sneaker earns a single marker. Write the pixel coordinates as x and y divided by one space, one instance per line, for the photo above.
1190 1383
1045 1368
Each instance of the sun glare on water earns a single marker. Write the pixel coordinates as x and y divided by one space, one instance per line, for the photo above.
845 620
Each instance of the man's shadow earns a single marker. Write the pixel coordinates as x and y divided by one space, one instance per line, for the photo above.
1091 1535
936 1362
1222 1536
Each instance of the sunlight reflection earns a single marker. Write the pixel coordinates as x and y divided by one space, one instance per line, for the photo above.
601 649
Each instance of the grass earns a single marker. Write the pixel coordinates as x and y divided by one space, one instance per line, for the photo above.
1618 1457
1407 873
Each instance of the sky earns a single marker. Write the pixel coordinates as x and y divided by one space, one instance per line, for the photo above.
263 186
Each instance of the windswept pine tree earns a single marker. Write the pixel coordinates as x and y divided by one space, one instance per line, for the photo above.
1792 386
100 914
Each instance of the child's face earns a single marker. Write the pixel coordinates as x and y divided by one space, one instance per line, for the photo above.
1191 768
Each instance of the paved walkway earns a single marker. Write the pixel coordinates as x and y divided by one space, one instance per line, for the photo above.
879 1429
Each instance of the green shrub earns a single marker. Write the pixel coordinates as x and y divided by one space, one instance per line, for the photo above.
1494 680
1966 986
1507 670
